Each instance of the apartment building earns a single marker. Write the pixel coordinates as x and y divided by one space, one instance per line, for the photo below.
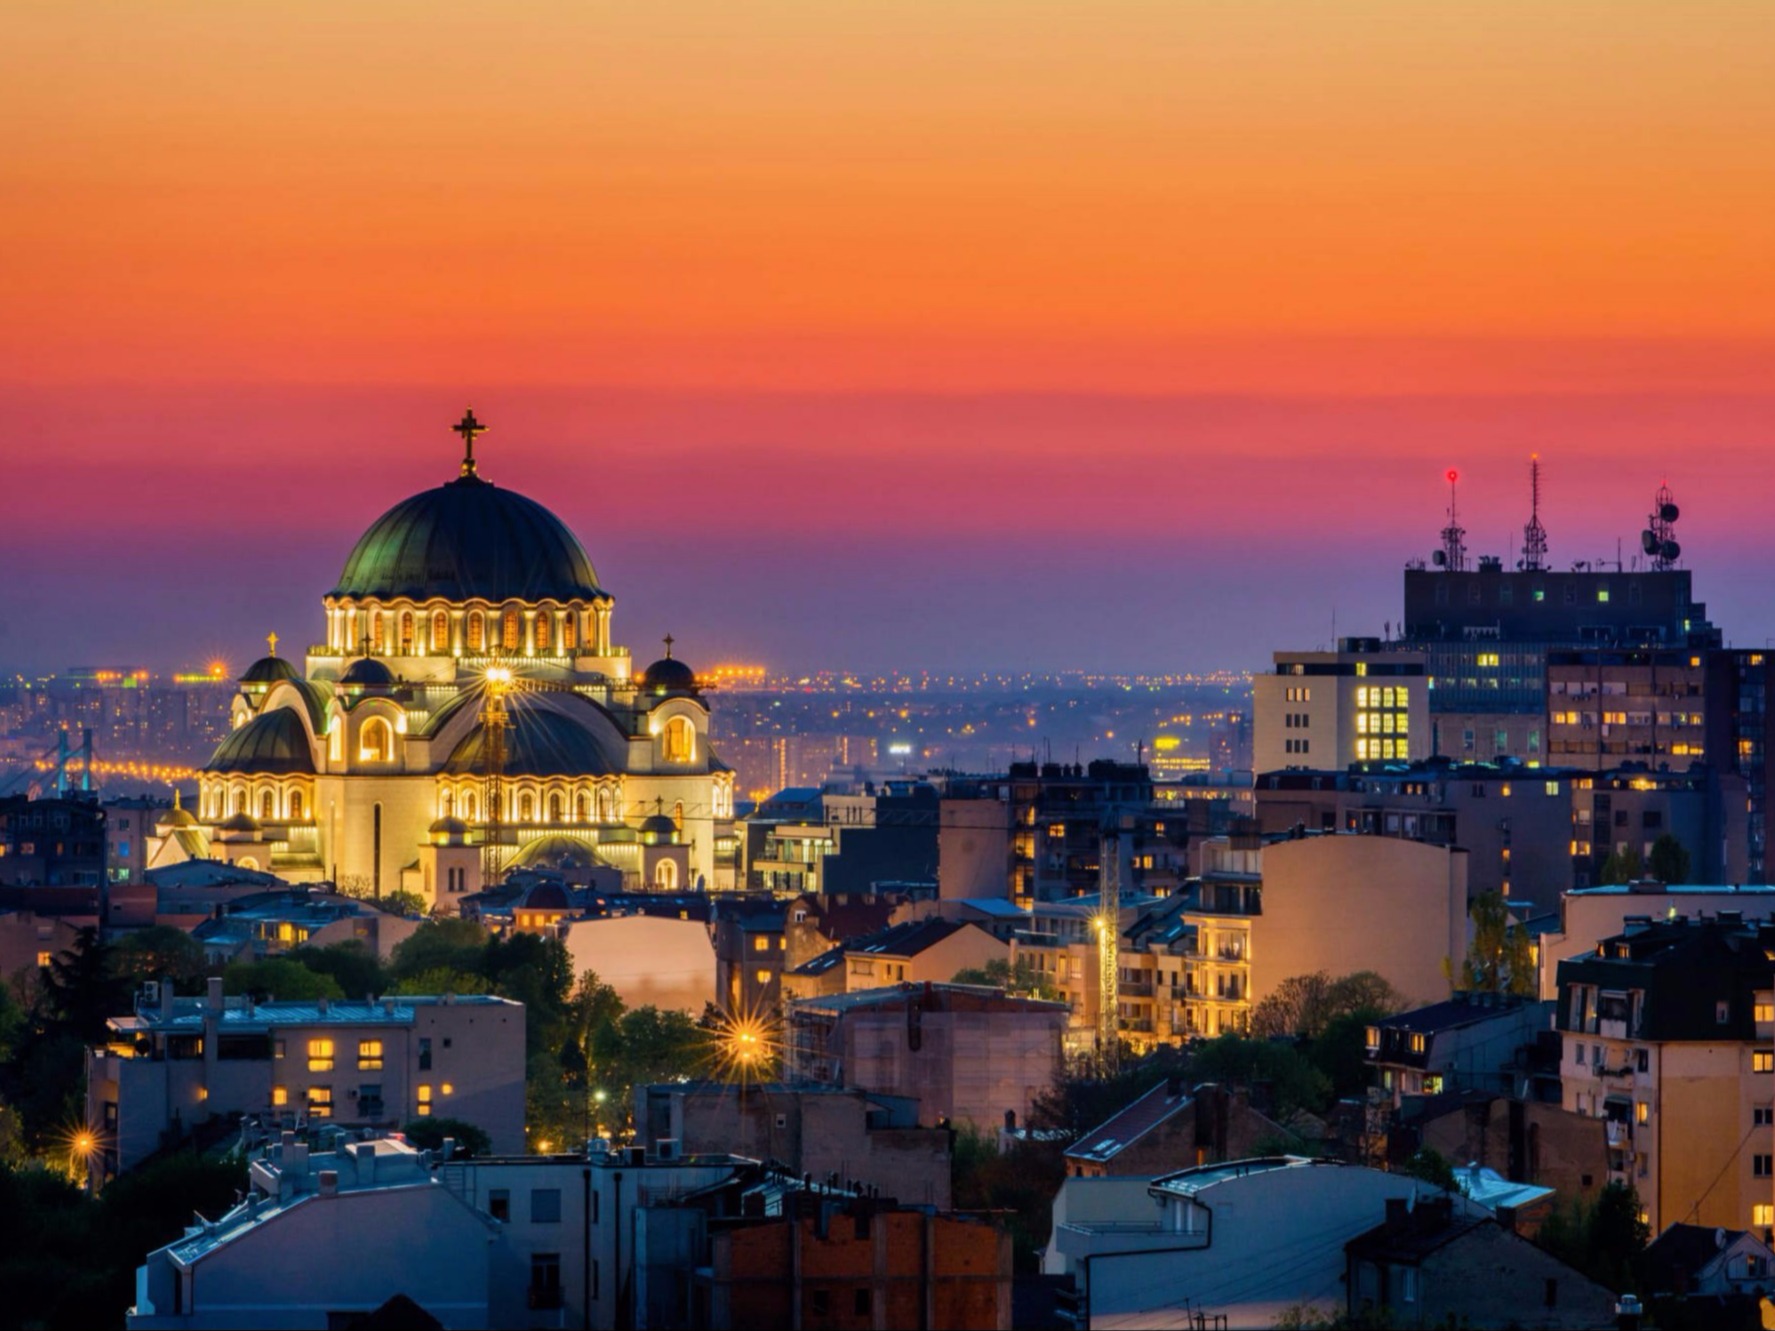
966 1054
1669 1037
1041 832
1515 822
1472 1042
179 1063
1360 703
1270 909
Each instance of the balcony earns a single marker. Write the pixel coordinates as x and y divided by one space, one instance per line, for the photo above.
1136 988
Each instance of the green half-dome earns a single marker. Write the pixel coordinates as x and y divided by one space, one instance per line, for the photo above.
274 743
543 742
469 540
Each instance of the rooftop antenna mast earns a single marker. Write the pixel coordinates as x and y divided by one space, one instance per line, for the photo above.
1452 557
1658 540
1534 535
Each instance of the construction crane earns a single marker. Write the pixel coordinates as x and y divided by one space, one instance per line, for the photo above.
1109 932
496 720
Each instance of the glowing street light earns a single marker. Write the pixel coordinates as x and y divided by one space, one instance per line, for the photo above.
82 1143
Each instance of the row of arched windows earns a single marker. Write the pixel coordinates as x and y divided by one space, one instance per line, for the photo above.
422 631
531 806
267 804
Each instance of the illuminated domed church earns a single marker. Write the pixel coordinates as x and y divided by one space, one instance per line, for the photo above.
467 708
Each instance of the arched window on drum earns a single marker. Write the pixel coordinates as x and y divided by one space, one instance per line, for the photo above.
375 742
678 740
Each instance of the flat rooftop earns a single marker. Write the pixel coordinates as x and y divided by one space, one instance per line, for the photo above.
238 1015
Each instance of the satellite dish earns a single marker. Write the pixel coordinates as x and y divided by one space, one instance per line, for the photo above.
1439 558
1669 550
1669 512
1649 542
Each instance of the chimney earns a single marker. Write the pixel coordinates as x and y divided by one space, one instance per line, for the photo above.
213 999
1010 1120
329 1183
166 998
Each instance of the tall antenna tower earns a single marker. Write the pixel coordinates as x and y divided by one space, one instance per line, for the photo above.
1453 554
1658 540
1534 535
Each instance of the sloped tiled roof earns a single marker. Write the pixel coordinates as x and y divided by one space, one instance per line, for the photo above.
1120 1131
909 939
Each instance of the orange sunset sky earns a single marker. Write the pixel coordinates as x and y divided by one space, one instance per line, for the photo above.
1126 334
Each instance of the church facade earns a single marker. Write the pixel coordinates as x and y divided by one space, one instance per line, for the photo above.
468 707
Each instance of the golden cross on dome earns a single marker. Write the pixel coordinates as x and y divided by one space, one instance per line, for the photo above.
669 640
271 642
468 427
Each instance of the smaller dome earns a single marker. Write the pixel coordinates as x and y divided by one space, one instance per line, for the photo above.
669 675
270 670
449 827
367 672
658 830
177 816
240 822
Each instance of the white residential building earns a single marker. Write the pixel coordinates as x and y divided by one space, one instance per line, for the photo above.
1246 1240
323 1238
516 1242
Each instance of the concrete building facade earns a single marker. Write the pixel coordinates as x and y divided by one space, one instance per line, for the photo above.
966 1054
181 1062
1360 703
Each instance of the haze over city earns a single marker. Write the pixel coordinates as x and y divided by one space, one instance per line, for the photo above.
910 338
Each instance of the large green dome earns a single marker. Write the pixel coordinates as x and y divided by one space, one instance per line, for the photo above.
469 540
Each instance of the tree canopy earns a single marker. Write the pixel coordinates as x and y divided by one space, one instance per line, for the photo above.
1500 959
1669 860
1305 1005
